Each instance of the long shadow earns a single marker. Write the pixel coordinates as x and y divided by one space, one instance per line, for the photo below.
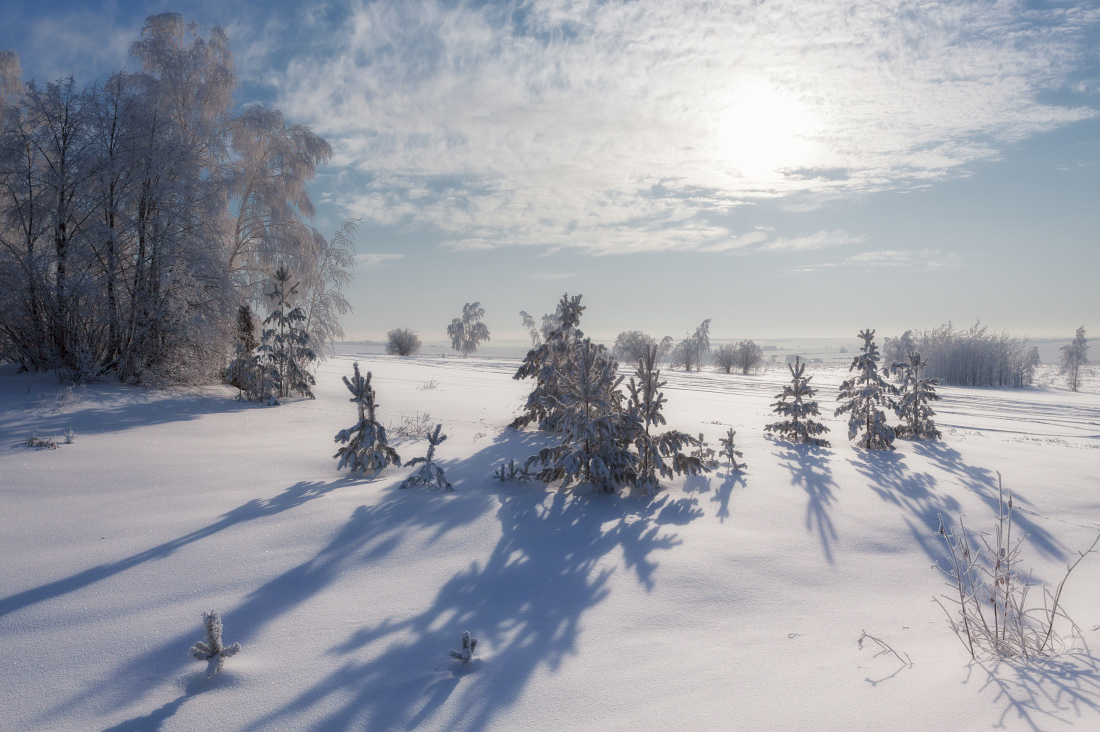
810 471
156 718
1044 692
114 409
724 491
524 603
983 483
371 532
292 497
892 480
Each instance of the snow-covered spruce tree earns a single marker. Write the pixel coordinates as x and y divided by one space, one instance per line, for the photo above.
468 331
212 649
286 346
596 432
1074 356
659 453
796 403
430 474
864 395
729 450
469 643
914 402
366 448
545 364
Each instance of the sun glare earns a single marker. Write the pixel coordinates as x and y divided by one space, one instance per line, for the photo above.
762 131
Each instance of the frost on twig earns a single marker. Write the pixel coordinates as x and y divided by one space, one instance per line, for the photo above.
212 649
469 643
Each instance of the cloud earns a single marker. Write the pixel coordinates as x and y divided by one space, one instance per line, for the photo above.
819 240
372 260
612 128
923 258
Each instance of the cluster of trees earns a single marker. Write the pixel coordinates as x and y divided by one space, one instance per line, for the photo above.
974 357
609 438
138 214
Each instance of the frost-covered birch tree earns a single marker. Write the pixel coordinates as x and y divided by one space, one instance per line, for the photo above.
863 396
468 331
1074 357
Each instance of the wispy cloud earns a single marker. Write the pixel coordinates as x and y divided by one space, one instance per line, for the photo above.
374 259
635 127
819 240
922 258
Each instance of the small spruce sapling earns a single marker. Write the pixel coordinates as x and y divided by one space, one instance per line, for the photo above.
509 471
913 407
863 394
212 649
430 474
705 454
797 404
730 452
469 643
366 447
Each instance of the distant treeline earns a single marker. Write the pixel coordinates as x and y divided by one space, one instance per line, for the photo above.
972 357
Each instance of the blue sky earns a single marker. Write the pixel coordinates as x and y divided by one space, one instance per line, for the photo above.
786 168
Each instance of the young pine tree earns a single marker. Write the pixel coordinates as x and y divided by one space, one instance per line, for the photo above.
545 364
729 450
659 453
366 447
286 344
430 474
797 405
864 395
914 402
596 433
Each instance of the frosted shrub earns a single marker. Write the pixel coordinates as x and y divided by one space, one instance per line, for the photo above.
212 649
402 342
40 442
469 643
989 596
430 474
366 448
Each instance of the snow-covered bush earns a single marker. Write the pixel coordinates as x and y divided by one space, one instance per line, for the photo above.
729 450
366 448
411 428
914 400
796 403
989 595
429 474
659 453
402 342
40 442
469 643
285 345
1074 357
864 394
212 648
70 436
596 432
468 331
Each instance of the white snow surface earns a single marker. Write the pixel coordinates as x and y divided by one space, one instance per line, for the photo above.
726 602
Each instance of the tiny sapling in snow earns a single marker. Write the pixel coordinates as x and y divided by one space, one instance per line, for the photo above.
212 649
40 442
70 436
469 643
705 454
730 452
366 447
509 471
430 474
796 403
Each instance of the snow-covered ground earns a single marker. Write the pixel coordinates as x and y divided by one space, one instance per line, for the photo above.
726 602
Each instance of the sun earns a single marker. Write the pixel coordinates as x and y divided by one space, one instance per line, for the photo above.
762 131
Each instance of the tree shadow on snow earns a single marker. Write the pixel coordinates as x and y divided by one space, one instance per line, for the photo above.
983 483
1059 690
722 494
809 466
524 603
156 718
